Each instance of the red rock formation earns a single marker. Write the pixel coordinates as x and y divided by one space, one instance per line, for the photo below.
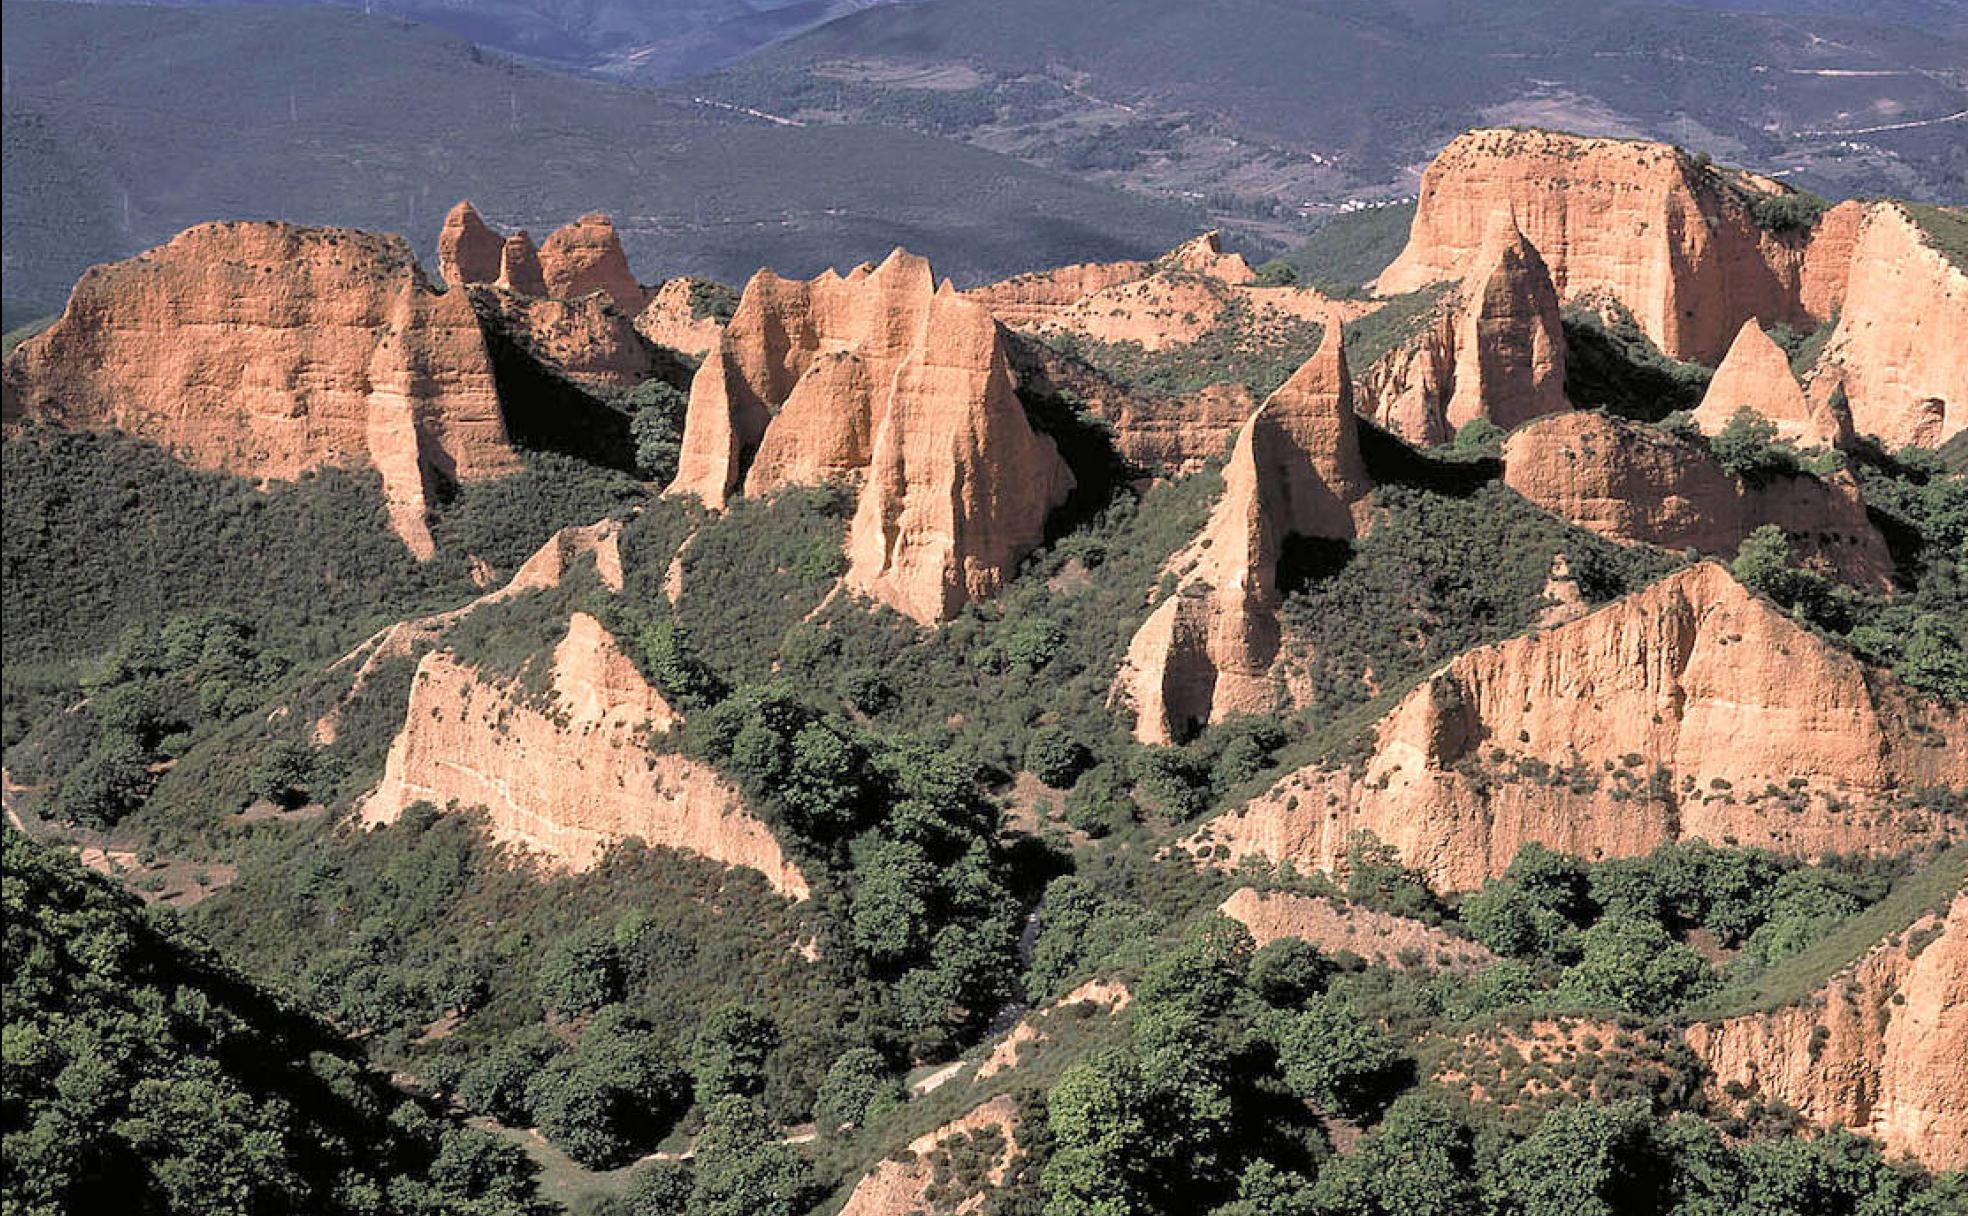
1041 295
585 339
1351 928
883 377
1642 223
670 319
902 1185
1881 1048
467 248
1689 709
1755 375
1207 651
519 266
1497 352
566 777
1640 485
268 350
586 256
1828 259
1204 255
1900 350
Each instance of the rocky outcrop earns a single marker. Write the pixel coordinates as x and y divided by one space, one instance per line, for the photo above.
1881 1048
1203 254
1644 224
1041 295
1755 375
1641 485
585 257
519 266
268 350
1899 354
907 1183
1689 709
566 773
586 339
1206 652
671 318
1496 352
882 377
467 248
1335 927
543 570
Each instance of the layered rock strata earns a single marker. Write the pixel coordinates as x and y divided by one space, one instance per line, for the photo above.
1689 709
269 350
1881 1048
1640 485
1645 224
1497 352
1206 652
566 774
885 379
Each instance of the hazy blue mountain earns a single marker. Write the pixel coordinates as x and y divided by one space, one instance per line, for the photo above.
124 125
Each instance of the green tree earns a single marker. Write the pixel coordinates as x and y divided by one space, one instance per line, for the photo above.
1634 966
857 1088
1056 757
1419 1161
611 1098
580 974
742 1169
1479 435
1585 1160
728 1058
1332 1055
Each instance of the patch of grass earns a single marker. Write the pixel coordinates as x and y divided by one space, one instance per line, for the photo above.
1352 249
1928 889
1946 229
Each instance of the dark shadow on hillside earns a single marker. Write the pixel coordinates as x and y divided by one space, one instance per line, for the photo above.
1392 462
1620 369
1087 446
1305 560
547 412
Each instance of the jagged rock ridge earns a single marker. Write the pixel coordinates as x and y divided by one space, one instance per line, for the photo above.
1689 709
882 377
268 350
1206 652
566 774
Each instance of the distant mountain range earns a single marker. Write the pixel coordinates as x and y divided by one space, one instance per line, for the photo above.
124 125
1288 103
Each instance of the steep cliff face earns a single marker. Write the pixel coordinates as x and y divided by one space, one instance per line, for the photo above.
1636 484
1756 375
1296 471
268 350
1394 941
1900 350
566 774
882 377
586 256
1497 351
903 1185
1882 1048
519 266
467 248
1640 222
1688 709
